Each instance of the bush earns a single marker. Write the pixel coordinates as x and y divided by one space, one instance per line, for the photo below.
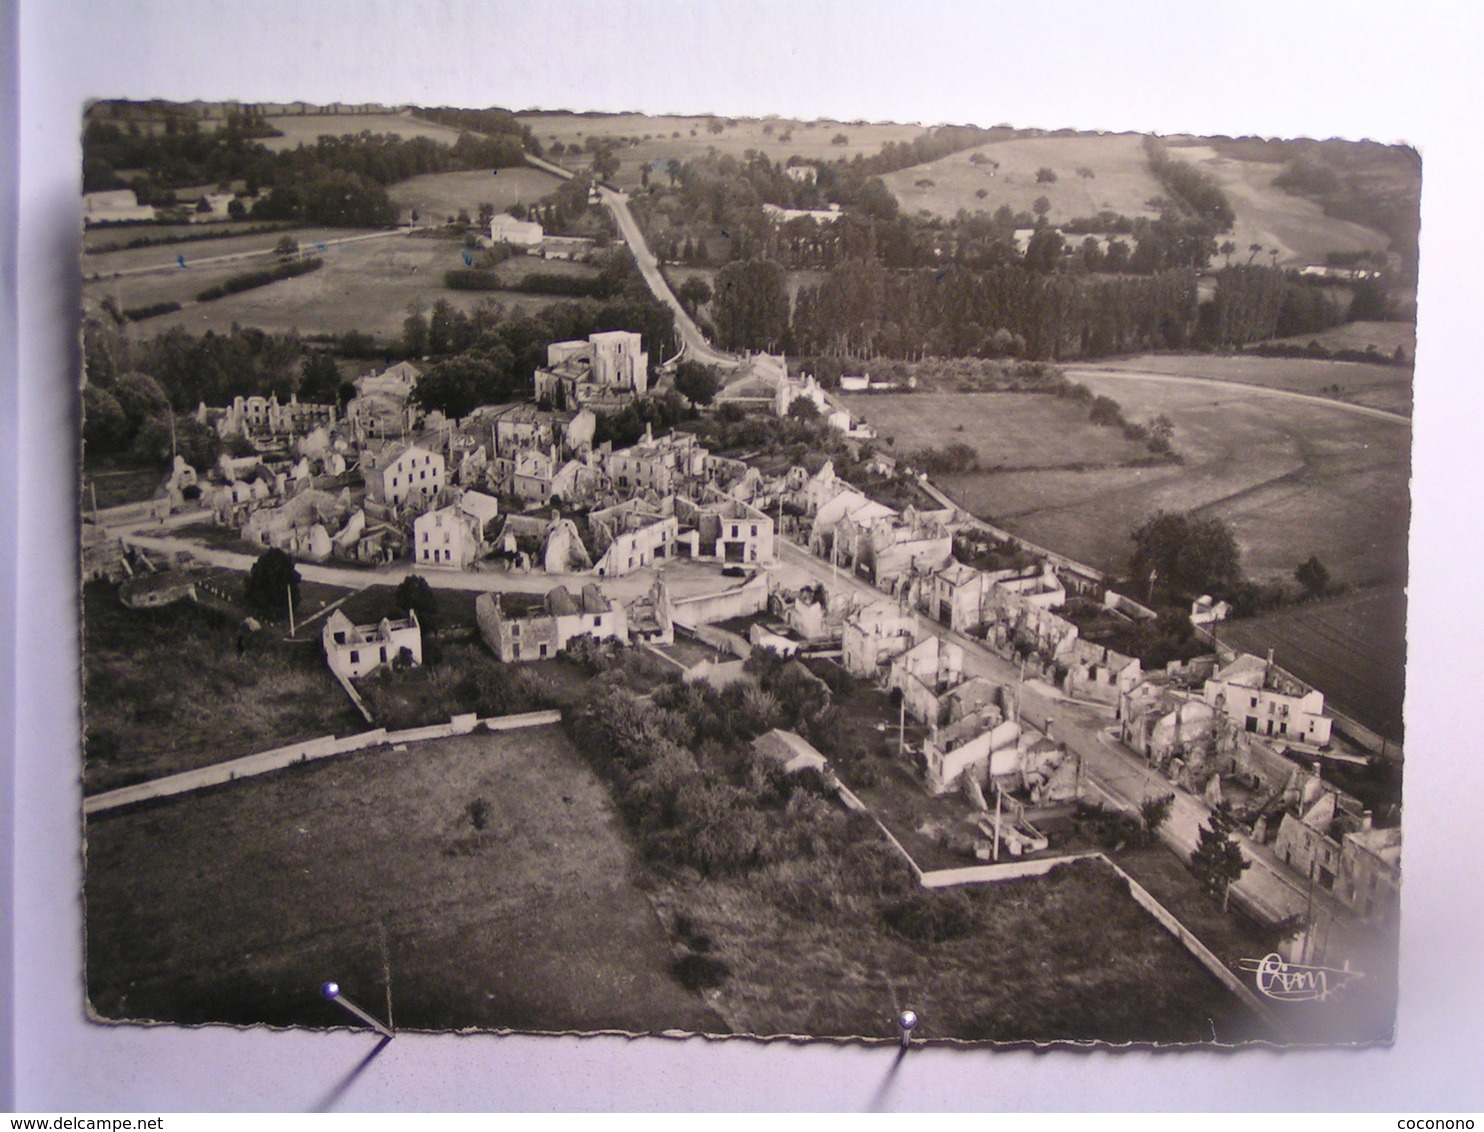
139 314
931 916
700 972
239 283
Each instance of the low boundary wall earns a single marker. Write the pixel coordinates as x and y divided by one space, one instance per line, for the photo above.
1018 870
326 746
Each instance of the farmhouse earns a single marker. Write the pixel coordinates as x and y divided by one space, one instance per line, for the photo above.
355 650
725 532
1264 700
983 744
506 229
1343 853
115 206
453 537
524 627
401 473
874 636
789 752
629 536
1095 672
662 466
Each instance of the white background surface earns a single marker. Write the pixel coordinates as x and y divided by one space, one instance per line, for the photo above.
1390 72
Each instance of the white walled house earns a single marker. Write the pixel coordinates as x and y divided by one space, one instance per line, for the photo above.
403 473
354 650
1262 700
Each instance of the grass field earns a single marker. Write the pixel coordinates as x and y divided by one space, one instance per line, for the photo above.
1385 336
1269 216
1121 178
1352 646
1293 478
437 196
1384 387
109 487
1122 182
164 691
306 129
234 905
1027 970
364 286
812 140
1008 430
105 264
94 239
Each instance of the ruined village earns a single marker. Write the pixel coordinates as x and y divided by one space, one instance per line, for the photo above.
685 619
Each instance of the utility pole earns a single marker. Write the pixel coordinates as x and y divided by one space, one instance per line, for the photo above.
289 589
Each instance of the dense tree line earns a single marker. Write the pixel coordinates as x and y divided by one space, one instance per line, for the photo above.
339 180
1193 189
492 121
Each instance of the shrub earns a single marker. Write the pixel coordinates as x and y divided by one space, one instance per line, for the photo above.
700 972
931 916
252 279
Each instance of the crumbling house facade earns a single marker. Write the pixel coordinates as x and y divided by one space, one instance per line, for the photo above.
527 627
1263 700
355 650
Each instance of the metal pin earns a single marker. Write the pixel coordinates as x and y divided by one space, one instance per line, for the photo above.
907 1022
331 991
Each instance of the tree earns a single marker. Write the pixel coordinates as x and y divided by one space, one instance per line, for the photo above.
1045 175
1044 250
105 429
699 383
1190 556
605 163
840 139
1313 576
286 248
1218 860
1154 812
414 595
415 331
803 409
750 306
1041 206
694 292
319 378
272 580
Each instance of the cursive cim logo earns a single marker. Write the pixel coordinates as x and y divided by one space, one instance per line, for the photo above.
1293 982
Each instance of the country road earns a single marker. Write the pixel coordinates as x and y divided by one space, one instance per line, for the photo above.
1122 777
693 344
1076 373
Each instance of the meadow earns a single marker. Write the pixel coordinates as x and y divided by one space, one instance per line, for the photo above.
813 140
1352 646
1384 336
1296 227
439 196
364 286
306 129
165 690
492 867
1121 180
1292 477
1374 386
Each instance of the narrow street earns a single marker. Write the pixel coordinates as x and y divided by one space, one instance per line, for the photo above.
1123 779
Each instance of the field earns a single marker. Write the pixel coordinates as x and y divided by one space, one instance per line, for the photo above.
1121 178
1026 970
493 864
1122 182
306 129
364 286
1293 477
95 238
1269 216
1352 646
438 196
812 140
1009 430
1385 336
165 690
1384 387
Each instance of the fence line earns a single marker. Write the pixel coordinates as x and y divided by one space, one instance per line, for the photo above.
326 746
